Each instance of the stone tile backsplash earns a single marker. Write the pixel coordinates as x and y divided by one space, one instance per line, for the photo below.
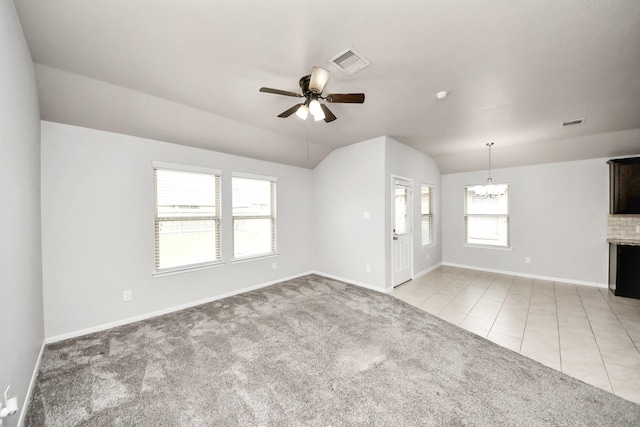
623 227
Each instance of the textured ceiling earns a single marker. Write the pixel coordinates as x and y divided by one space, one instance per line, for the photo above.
189 72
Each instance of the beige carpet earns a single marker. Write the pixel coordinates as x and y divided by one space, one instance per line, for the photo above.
310 351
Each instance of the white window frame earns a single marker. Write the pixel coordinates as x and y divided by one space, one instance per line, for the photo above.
272 217
497 215
217 218
428 217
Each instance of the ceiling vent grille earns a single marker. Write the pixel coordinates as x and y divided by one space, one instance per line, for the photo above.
573 122
350 61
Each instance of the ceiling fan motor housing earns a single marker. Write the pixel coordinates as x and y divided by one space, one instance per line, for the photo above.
308 94
304 84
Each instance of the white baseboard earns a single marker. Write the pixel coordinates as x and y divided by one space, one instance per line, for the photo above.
374 288
32 383
168 310
353 282
428 270
531 276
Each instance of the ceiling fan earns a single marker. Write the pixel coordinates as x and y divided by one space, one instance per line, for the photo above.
312 87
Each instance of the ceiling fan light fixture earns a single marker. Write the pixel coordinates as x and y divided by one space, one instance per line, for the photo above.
319 115
314 107
303 112
319 77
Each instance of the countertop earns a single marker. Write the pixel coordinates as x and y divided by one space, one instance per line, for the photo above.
627 242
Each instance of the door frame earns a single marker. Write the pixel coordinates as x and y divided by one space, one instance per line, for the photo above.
392 217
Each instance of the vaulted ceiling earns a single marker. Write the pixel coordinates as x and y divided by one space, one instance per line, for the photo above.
189 72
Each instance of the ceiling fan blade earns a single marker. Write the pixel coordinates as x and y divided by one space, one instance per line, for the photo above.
351 98
328 115
280 92
290 111
319 77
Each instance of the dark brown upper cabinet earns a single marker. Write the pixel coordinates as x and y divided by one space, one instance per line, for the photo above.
624 184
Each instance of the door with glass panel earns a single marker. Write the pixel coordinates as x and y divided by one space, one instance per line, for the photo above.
402 262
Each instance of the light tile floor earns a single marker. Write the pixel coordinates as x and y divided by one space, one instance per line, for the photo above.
583 331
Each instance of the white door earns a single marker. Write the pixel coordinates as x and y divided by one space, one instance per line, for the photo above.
402 260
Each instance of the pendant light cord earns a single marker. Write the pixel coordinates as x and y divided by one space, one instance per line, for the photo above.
306 127
489 180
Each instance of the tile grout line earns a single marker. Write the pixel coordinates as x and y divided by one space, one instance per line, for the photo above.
456 295
619 321
555 300
596 341
422 301
441 289
524 330
474 306
513 279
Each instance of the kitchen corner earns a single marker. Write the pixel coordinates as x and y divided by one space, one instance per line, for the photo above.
623 227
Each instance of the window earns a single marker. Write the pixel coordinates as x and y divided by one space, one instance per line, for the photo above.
426 213
402 218
254 216
486 215
187 217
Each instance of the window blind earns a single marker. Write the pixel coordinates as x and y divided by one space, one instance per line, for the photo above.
426 213
187 218
254 216
402 216
487 215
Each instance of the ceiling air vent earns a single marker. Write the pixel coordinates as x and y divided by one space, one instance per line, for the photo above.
573 122
350 61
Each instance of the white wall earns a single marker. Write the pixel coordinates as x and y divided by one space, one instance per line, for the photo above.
558 215
21 319
407 162
97 228
98 233
357 179
347 183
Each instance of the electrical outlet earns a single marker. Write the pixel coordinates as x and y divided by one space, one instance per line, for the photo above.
637 229
368 268
527 260
427 255
366 215
127 295
274 265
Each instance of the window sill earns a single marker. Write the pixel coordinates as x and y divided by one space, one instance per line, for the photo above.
479 246
187 269
254 258
429 245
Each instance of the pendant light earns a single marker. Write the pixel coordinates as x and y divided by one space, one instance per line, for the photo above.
490 191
